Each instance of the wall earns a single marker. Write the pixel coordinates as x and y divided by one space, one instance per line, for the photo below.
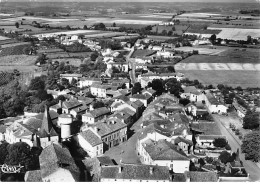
61 175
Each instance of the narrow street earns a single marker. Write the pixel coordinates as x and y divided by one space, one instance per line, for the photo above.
250 166
126 151
131 66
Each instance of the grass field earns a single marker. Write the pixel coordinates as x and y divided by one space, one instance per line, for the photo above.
231 78
17 60
218 59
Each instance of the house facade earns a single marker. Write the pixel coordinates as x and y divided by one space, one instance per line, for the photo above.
163 153
99 91
95 115
90 142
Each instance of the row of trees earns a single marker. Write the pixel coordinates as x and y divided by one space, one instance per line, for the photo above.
18 153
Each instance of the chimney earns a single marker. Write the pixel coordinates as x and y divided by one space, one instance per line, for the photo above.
120 168
151 170
60 103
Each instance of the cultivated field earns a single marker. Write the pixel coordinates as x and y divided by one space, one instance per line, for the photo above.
4 38
198 15
236 33
13 44
219 59
202 51
231 78
241 53
72 61
42 19
159 38
74 32
218 66
17 60
179 29
22 69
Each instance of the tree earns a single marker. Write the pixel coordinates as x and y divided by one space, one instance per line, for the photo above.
251 146
37 83
136 88
20 153
220 142
114 24
65 82
94 56
164 32
85 27
220 86
184 101
170 33
201 162
171 69
173 28
157 85
224 157
213 38
3 152
98 104
74 82
115 70
99 26
17 24
68 27
41 59
251 120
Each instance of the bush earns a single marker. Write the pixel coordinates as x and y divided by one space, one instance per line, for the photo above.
209 159
220 142
237 132
227 147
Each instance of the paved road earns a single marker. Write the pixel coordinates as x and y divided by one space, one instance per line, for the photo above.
250 166
131 65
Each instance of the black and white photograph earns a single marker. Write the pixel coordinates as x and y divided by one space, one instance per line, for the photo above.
121 91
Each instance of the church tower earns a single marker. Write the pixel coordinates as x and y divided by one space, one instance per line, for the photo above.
47 134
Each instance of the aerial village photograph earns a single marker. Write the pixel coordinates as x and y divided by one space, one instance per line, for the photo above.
130 90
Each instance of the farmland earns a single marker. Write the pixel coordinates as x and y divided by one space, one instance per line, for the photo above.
202 51
178 29
218 59
72 61
4 38
231 78
17 60
237 33
218 66
15 49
